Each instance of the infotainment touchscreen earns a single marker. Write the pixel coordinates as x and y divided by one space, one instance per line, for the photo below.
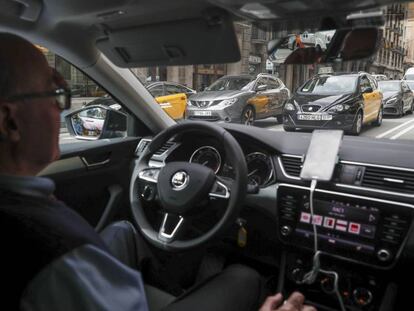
341 224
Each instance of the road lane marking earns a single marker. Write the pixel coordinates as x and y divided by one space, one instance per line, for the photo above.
402 132
394 129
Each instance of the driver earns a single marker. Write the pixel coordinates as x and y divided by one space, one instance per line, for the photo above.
38 231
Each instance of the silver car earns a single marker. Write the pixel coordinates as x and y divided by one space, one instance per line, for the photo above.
241 99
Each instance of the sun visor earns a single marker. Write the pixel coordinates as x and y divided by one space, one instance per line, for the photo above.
209 40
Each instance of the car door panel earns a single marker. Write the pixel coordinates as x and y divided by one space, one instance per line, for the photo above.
94 191
406 97
259 102
370 100
174 104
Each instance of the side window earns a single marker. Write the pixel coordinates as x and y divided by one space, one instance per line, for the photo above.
85 93
171 89
273 84
157 90
374 83
261 81
364 83
184 89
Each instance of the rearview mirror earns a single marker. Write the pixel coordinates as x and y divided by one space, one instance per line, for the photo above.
260 88
96 122
325 46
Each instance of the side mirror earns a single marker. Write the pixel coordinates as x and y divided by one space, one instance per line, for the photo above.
367 90
96 122
260 88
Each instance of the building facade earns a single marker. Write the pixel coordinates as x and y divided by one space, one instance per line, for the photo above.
393 50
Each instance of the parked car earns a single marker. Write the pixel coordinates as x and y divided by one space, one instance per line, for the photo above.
380 77
335 101
172 97
398 97
410 84
241 99
409 74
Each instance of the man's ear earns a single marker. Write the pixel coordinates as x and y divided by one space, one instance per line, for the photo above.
8 122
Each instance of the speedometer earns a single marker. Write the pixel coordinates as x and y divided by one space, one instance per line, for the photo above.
260 168
207 156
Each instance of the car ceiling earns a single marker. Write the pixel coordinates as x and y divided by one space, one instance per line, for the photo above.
55 23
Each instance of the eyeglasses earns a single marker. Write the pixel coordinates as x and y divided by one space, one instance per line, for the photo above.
62 96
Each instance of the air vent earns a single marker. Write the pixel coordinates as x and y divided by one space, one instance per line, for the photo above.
388 179
164 148
292 165
143 143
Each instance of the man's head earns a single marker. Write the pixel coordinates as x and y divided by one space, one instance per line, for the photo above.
29 127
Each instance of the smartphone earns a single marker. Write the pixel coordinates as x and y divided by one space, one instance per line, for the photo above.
322 155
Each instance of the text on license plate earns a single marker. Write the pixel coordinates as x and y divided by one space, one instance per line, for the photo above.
315 117
202 113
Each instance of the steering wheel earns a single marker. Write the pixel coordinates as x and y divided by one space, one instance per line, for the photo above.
179 186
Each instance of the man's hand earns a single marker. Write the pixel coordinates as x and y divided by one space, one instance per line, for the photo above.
294 303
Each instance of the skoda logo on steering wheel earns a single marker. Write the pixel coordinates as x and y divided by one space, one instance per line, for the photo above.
180 180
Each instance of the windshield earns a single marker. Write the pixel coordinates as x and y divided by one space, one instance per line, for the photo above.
330 85
388 86
229 84
199 92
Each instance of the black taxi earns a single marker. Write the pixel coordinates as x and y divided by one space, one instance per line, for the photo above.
344 101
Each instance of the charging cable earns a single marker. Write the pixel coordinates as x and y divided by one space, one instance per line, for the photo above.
310 277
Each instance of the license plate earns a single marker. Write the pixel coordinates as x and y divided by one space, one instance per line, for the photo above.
315 117
204 113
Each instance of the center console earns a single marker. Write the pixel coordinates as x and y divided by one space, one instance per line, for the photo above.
358 236
353 228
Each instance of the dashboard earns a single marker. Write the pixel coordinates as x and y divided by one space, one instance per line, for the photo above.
364 215
206 151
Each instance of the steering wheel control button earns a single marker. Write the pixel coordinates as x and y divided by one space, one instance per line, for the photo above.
219 190
384 255
180 180
285 230
150 175
169 227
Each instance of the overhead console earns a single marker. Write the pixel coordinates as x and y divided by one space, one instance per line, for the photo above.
353 228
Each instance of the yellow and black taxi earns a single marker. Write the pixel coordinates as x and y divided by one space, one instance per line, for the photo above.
344 101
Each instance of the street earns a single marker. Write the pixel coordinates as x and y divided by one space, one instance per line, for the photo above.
391 128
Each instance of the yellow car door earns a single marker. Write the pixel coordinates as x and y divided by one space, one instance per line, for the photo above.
371 98
260 101
377 98
174 104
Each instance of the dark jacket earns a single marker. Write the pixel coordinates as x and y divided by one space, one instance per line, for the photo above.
34 231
